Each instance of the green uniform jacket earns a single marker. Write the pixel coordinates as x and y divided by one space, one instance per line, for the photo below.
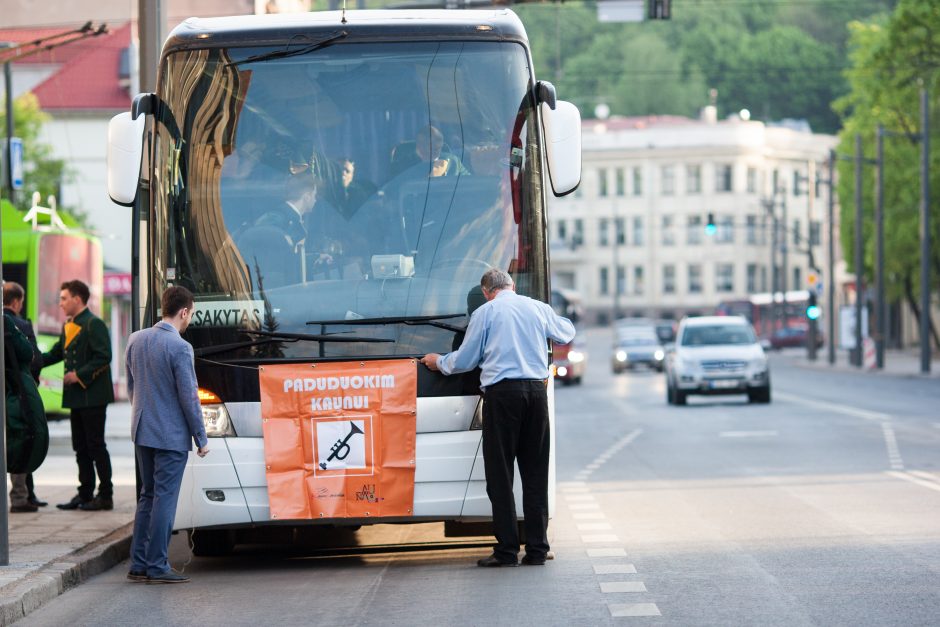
26 429
89 355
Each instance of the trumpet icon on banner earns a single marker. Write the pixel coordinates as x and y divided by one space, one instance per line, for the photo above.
340 450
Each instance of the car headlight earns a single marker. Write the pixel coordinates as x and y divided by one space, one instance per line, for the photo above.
684 363
215 417
759 363
621 355
658 355
575 357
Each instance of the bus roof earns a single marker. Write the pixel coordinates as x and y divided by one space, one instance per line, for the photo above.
411 25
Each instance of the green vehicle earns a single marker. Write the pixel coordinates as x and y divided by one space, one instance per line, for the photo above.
41 257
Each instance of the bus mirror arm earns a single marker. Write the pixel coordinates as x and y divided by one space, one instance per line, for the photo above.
545 92
144 104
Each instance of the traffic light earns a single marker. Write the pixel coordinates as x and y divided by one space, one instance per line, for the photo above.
710 228
812 309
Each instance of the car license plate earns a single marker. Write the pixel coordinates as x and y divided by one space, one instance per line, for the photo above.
724 384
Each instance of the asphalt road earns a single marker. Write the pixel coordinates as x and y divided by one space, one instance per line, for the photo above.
822 508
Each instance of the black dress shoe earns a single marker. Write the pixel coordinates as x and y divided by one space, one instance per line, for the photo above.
531 560
170 576
34 501
24 508
494 562
137 575
97 504
75 503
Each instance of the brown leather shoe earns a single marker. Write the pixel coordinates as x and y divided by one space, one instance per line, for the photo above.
494 562
22 509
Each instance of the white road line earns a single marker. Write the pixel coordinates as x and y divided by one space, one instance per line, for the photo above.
915 480
925 475
583 506
579 497
891 444
595 526
614 569
611 552
572 485
748 434
622 586
618 610
599 537
588 516
840 409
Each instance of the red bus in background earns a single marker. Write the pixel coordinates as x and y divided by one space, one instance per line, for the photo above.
766 315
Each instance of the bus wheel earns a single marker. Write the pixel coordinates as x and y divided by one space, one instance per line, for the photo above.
212 542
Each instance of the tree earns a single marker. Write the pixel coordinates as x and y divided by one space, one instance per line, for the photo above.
891 58
42 172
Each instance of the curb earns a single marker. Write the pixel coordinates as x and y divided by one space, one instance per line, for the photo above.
54 578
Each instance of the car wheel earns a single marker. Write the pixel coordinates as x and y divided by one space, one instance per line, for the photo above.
212 542
670 395
759 395
576 381
679 396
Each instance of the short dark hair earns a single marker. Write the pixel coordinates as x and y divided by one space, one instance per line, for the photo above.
77 288
12 291
174 299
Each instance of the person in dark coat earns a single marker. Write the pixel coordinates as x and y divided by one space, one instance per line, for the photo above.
85 347
13 297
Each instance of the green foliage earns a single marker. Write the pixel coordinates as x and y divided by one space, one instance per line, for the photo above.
42 172
891 57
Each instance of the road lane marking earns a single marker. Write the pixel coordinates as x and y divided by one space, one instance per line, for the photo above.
583 506
579 497
599 537
915 480
605 456
593 526
614 569
622 586
608 552
891 444
840 409
925 475
748 434
619 610
572 485
589 515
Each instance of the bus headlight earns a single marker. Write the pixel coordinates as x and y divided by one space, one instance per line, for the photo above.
214 415
575 357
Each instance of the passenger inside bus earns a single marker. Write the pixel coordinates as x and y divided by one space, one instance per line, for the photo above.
427 155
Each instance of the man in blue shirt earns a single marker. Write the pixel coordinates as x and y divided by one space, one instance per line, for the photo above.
507 337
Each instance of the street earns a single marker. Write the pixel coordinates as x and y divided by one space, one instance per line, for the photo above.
821 508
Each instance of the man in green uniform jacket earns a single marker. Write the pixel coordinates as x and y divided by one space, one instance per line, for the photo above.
85 347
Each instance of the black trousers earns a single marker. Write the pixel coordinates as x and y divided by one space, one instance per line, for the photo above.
91 452
515 427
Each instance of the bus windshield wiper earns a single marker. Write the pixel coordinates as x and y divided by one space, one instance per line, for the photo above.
288 52
270 338
433 321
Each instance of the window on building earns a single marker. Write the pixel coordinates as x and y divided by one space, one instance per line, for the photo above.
563 230
725 230
668 231
750 229
637 181
763 279
668 182
603 235
621 182
724 181
577 238
695 278
621 280
724 277
798 279
637 231
752 180
694 230
669 279
621 228
751 278
638 280
797 183
602 182
775 181
566 280
605 281
797 233
693 179
815 233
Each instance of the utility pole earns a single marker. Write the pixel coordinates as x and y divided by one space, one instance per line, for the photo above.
615 274
784 284
813 322
924 231
859 270
151 32
831 259
881 328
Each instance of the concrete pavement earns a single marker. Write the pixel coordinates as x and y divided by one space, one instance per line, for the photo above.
54 550
899 363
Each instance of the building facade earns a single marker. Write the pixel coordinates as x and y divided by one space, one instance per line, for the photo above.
636 238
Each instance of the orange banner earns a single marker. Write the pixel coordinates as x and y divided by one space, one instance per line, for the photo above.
339 438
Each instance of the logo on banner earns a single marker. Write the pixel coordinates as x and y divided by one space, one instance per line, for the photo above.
343 443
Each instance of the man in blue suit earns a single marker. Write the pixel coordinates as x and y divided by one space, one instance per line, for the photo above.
167 419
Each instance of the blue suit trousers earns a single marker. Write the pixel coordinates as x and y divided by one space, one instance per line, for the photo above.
161 473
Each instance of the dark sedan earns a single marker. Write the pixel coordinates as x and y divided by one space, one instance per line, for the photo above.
794 337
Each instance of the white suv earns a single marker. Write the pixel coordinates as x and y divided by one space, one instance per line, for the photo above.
717 355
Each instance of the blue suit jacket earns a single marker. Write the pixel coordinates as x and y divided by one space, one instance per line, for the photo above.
161 383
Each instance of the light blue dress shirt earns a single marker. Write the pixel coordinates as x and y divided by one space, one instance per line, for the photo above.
507 337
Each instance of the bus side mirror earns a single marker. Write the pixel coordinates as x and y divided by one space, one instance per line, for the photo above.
562 145
125 148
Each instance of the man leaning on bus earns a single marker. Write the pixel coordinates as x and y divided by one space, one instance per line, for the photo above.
507 337
85 347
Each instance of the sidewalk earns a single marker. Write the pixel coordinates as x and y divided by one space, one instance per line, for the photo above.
54 550
898 363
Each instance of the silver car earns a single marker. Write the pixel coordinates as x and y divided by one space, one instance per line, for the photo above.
716 355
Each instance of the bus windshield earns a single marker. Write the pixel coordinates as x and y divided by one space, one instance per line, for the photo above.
368 183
